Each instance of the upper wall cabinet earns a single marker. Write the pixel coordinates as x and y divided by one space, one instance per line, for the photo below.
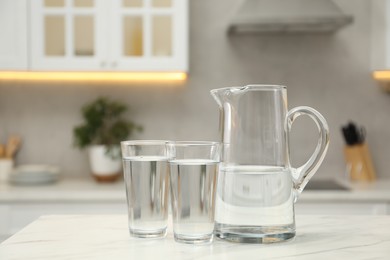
380 35
380 41
148 34
68 35
127 35
13 35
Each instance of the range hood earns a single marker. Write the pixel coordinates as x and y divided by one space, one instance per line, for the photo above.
288 16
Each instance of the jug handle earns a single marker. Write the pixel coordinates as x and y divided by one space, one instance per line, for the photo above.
303 174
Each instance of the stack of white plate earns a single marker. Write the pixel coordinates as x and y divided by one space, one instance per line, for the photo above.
34 174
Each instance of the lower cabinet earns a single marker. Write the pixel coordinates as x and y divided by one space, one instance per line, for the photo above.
342 208
16 216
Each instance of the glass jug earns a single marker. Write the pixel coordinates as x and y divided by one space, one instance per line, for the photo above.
257 187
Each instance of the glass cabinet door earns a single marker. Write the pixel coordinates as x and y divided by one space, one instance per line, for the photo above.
127 35
68 34
149 35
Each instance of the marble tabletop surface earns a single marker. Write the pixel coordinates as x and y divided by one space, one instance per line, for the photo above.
106 237
87 190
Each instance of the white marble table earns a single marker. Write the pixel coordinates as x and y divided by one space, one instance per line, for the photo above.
106 237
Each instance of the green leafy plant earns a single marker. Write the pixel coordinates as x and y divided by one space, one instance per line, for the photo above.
103 124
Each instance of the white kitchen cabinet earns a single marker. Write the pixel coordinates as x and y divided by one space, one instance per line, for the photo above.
149 35
380 42
125 35
68 34
13 35
14 217
342 208
380 27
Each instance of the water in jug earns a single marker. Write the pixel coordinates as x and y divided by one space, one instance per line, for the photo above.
257 187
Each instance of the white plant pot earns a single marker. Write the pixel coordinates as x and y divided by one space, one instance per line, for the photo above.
103 166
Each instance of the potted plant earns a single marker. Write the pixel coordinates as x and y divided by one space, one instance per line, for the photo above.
103 129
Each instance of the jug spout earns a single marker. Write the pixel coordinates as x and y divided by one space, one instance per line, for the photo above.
216 94
222 95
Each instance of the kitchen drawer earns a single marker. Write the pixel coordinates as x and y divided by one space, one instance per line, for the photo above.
14 217
359 208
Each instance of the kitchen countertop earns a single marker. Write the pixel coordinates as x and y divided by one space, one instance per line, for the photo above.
87 190
106 237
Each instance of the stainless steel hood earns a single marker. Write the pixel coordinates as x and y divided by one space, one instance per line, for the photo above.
288 16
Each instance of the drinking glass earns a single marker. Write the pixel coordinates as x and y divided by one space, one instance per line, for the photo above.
193 176
146 175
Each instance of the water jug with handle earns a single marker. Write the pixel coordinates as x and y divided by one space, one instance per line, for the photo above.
257 187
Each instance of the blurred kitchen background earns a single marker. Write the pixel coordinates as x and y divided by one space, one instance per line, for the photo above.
331 72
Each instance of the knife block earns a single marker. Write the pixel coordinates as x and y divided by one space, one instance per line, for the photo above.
359 163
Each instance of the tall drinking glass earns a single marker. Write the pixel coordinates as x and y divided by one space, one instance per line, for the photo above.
193 175
146 175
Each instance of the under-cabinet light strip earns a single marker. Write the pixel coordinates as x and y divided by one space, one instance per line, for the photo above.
381 75
104 77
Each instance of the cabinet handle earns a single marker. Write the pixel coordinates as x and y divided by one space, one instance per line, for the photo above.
114 64
103 64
